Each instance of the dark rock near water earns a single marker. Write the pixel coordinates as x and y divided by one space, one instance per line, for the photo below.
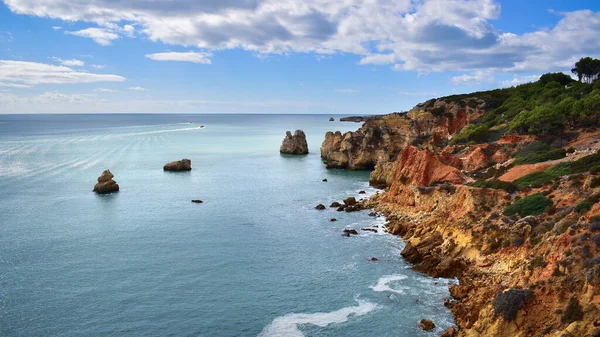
348 232
333 219
335 204
373 259
367 229
294 144
179 165
341 208
324 180
373 214
350 201
331 119
197 201
354 208
426 325
106 184
320 207
450 332
362 192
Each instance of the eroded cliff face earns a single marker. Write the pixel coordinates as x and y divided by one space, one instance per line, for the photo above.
377 144
535 275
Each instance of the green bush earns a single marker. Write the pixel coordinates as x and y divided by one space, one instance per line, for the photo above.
586 163
595 169
536 152
478 133
573 312
534 204
595 182
534 180
583 207
495 184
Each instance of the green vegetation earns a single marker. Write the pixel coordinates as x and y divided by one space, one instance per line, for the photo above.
545 107
495 184
477 133
537 152
530 205
583 207
572 169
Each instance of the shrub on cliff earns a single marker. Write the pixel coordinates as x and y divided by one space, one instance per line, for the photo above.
507 303
573 312
539 179
534 204
536 152
472 133
495 184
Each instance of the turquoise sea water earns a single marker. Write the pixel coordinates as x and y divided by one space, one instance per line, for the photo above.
255 259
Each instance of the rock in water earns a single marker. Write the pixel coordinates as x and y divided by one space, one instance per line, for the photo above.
106 184
331 119
179 165
197 201
320 207
295 144
426 325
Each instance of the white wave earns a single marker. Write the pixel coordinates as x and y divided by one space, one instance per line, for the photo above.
288 325
383 284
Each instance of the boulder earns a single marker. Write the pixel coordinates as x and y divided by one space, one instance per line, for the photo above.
362 192
350 201
320 207
333 219
335 204
179 165
106 184
450 332
324 180
331 119
426 325
348 232
373 259
294 144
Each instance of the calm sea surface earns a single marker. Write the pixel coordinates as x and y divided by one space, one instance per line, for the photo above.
255 259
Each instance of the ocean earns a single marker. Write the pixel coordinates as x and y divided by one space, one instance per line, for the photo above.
255 259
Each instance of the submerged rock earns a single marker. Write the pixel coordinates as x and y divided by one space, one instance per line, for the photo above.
324 180
294 144
179 165
373 259
426 325
348 232
197 201
333 219
106 184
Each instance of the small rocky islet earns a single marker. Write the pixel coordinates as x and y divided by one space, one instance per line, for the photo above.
106 184
294 144
178 165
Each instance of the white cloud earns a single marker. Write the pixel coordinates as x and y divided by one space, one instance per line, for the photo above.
105 90
14 85
69 63
102 36
137 88
195 57
346 90
477 77
98 66
31 73
520 80
413 35
56 27
378 59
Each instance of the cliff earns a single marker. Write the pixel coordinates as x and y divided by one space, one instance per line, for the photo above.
513 212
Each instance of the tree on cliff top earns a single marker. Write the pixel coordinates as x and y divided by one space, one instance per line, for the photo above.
587 69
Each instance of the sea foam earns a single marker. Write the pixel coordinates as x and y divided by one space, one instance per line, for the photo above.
383 284
288 325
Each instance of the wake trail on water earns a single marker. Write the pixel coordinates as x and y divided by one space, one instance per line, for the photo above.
288 325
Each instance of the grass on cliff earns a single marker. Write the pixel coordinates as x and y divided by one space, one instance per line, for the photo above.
495 184
534 204
539 179
537 152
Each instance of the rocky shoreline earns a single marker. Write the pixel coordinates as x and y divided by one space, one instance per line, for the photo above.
529 272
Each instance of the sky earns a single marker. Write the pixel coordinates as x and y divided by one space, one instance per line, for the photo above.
279 56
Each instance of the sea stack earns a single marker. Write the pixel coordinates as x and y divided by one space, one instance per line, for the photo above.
106 184
179 165
331 119
294 144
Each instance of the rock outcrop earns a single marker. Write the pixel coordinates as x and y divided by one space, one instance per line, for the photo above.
106 184
377 144
179 165
294 144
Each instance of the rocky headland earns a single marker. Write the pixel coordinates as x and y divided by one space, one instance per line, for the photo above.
294 144
510 210
106 184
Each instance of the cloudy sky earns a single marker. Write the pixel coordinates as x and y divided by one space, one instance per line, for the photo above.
279 56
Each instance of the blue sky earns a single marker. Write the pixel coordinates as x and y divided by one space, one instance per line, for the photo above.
279 56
